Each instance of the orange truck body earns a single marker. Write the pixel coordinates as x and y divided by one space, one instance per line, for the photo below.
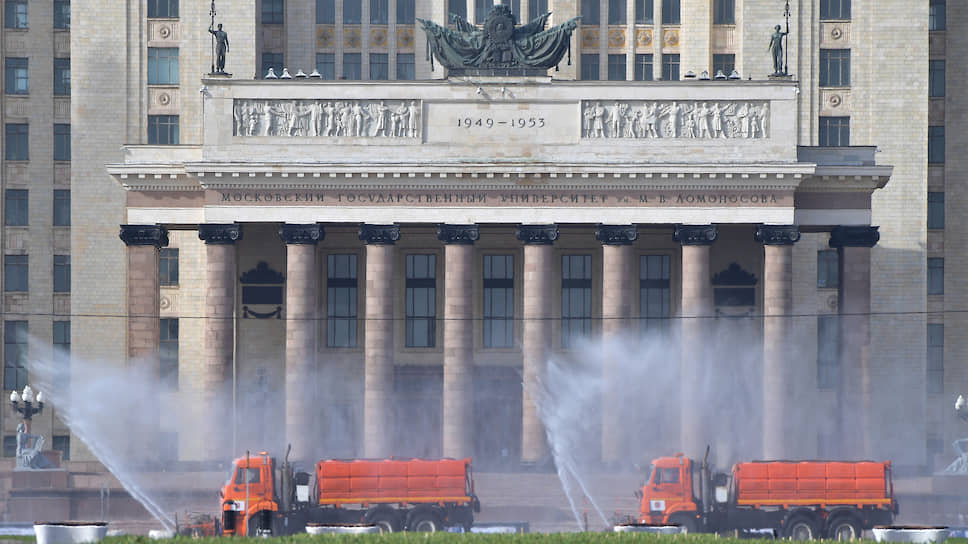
822 483
410 481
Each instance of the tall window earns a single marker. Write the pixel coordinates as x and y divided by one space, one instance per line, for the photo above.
168 352
589 66
498 301
163 66
272 11
15 207
421 301
936 78
724 62
326 65
670 67
481 7
163 129
325 12
828 352
576 298
62 273
10 446
15 15
15 71
405 66
379 12
935 275
168 266
616 67
62 142
935 378
352 67
590 12
458 8
271 60
617 12
936 144
162 9
62 443
379 67
405 12
537 7
654 291
62 207
670 13
828 273
724 12
644 12
341 295
353 12
62 348
834 9
643 67
62 14
935 210
15 273
937 18
835 67
62 77
834 131
14 355
17 140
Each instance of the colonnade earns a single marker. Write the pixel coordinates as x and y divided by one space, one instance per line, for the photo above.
853 242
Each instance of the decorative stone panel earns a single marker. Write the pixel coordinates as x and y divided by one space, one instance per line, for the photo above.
589 38
936 44
62 110
936 178
62 174
405 38
616 37
835 102
15 240
17 173
724 38
936 111
17 303
352 37
835 35
328 118
672 119
62 304
643 38
18 107
272 38
15 43
378 37
325 36
163 33
670 40
163 100
62 43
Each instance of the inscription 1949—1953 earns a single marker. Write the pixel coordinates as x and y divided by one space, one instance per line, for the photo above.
491 122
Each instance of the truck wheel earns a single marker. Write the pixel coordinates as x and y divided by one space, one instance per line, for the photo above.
844 528
424 523
687 523
386 519
801 527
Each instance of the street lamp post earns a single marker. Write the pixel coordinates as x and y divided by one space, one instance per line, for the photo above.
27 404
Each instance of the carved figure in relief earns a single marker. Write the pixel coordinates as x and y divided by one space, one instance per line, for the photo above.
381 114
587 116
674 114
703 116
716 114
627 120
413 118
400 120
598 121
652 120
742 116
614 129
359 116
330 112
754 117
344 119
690 123
638 131
764 115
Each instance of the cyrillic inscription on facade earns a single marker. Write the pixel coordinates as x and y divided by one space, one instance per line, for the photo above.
673 119
328 118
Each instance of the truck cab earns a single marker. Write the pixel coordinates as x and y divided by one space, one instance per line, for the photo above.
669 495
249 489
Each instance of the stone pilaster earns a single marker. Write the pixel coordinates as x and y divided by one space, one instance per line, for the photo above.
216 375
302 276
537 332
616 313
696 309
378 343
144 307
458 338
779 391
854 245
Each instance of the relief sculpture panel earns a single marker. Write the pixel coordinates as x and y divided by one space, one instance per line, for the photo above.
672 119
332 118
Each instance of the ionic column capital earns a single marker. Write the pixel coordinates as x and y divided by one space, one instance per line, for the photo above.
777 235
696 235
385 235
537 234
144 235
458 234
616 235
301 234
220 233
854 236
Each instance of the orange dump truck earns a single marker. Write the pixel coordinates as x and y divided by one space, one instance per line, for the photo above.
796 499
262 497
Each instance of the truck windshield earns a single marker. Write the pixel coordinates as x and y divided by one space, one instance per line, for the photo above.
651 474
253 476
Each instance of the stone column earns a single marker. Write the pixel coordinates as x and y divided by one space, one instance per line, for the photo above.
696 311
302 276
537 332
378 343
854 245
616 310
215 378
144 307
779 384
458 338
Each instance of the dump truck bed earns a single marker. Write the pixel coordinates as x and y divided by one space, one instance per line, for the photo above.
862 483
393 481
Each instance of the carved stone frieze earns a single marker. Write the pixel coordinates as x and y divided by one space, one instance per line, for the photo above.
212 233
163 30
144 235
379 234
458 234
854 236
616 235
163 100
696 235
301 234
329 118
538 234
777 235
643 37
671 119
